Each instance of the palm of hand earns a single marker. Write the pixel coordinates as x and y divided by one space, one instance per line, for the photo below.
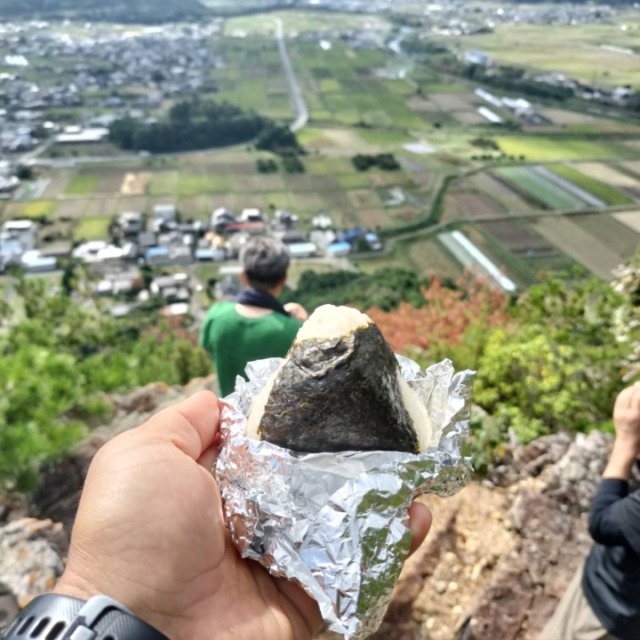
135 486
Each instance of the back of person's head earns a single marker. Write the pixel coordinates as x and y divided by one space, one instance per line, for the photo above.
265 262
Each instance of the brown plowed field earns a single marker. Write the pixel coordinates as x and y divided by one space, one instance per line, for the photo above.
308 201
451 102
499 192
518 238
612 232
371 218
580 245
470 205
198 207
99 207
138 203
432 259
57 185
361 198
469 117
71 208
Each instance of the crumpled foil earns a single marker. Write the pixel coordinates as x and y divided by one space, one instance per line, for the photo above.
335 523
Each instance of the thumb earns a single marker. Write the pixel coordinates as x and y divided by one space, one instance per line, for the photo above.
190 425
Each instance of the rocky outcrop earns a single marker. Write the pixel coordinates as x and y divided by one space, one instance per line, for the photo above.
499 555
31 560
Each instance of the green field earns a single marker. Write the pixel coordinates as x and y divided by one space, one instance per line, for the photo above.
304 21
536 187
82 185
606 193
38 208
577 50
96 228
538 148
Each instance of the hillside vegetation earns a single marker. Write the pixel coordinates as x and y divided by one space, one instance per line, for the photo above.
551 360
145 11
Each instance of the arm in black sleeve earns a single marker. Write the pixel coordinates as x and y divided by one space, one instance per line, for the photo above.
607 513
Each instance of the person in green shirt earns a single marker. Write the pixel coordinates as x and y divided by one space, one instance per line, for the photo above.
255 325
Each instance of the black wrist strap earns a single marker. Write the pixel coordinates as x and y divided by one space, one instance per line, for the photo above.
56 617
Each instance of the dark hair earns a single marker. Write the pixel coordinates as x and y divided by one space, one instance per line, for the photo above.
265 261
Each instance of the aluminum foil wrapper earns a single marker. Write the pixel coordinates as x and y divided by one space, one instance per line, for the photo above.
335 523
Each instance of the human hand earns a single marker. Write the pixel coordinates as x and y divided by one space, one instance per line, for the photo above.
626 417
296 310
150 533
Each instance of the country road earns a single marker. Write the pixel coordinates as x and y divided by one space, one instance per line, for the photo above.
300 106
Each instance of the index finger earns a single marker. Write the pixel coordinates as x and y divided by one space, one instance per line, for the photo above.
190 425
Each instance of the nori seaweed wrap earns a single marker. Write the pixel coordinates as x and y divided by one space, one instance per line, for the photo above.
340 389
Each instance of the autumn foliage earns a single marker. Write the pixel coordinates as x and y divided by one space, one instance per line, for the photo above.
445 316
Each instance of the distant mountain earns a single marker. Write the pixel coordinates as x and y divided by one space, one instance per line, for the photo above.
144 11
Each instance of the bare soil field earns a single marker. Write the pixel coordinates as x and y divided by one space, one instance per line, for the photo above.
608 174
136 203
308 201
469 117
313 183
612 232
406 214
134 184
579 244
371 218
470 206
430 258
361 198
451 102
630 219
198 207
71 208
499 192
422 105
519 239
99 207
563 118
57 185
560 116
12 210
337 200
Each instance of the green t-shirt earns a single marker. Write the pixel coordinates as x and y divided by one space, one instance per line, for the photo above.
233 340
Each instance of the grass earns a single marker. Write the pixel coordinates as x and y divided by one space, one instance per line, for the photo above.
82 185
605 192
38 208
384 137
190 185
92 228
538 148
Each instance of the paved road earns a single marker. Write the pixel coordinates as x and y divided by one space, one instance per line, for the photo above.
300 106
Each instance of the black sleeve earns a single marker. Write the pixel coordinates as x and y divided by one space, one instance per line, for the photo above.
607 512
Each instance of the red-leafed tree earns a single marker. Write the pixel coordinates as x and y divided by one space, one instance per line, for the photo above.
452 323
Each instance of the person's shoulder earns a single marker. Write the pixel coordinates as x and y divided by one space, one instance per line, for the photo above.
220 308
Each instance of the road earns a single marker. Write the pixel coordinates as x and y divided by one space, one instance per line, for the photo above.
300 106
